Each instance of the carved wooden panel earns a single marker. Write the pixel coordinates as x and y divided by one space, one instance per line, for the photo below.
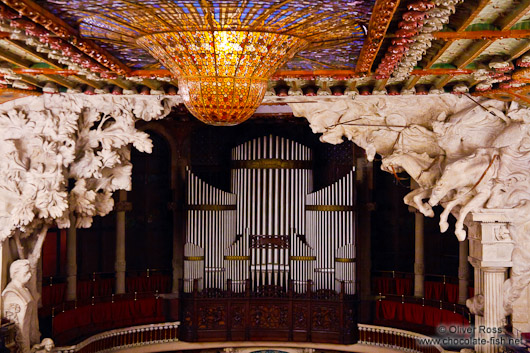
238 316
269 241
187 316
325 318
212 317
269 316
300 316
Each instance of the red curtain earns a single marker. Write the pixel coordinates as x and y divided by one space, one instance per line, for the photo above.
102 313
107 315
433 316
160 283
391 310
451 292
83 316
103 287
383 285
414 313
433 290
121 311
64 321
137 284
53 295
451 318
84 289
404 286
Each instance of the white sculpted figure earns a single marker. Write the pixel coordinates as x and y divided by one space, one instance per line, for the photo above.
465 155
44 347
20 306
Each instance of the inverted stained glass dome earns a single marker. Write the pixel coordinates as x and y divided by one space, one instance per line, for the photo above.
222 52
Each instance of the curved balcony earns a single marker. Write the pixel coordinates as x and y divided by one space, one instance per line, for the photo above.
164 337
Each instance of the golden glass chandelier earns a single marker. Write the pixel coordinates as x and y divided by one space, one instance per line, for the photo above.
221 51
222 75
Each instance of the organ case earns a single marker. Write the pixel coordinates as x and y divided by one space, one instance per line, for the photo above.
272 229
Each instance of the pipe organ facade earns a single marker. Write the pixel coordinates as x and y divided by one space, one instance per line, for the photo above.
272 229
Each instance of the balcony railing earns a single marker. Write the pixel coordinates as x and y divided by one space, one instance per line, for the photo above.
167 333
393 338
129 337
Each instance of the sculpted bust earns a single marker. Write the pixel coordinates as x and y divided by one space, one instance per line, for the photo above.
20 306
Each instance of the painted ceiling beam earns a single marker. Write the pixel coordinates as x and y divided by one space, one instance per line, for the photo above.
16 60
485 35
347 74
44 59
461 28
472 52
57 26
381 17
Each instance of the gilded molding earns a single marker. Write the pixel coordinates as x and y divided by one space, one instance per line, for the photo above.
211 207
236 258
303 258
345 259
329 208
193 258
271 164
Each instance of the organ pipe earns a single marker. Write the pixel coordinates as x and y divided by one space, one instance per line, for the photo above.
272 227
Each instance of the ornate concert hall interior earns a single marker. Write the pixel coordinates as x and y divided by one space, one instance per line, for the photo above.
265 176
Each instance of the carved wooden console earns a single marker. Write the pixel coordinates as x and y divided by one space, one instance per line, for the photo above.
269 314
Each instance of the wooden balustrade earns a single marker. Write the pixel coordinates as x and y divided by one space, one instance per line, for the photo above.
126 338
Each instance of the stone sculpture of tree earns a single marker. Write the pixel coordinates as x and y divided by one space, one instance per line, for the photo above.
61 159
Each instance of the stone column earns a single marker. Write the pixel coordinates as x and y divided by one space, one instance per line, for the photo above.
463 271
120 265
490 253
419 255
71 260
493 278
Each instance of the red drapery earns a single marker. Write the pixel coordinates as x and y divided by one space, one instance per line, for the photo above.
433 290
404 286
451 292
383 285
417 314
158 282
53 295
103 316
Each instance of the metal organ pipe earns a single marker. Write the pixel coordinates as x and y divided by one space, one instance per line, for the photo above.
273 227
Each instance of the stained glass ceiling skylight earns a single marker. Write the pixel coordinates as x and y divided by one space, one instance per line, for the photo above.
113 23
224 52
